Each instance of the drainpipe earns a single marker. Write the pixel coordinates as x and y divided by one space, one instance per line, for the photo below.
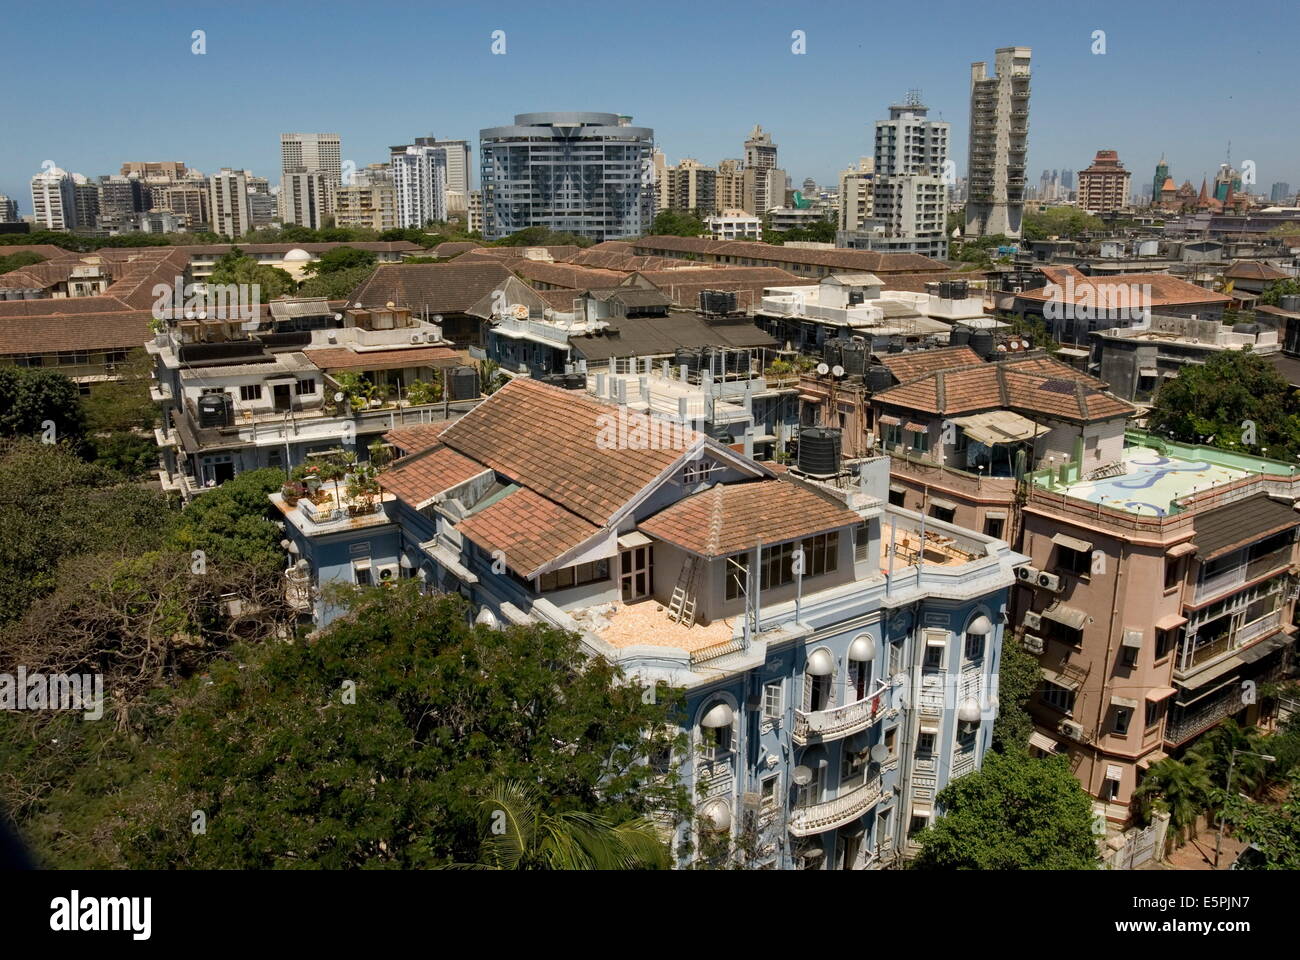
910 728
1103 707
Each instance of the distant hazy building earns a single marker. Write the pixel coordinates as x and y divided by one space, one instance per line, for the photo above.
369 201
305 198
910 195
590 174
734 225
312 151
999 136
475 222
857 195
188 201
1103 187
729 185
54 200
690 186
228 203
419 173
121 196
764 181
1280 193
8 210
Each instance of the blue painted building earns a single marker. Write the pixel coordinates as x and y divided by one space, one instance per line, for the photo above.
839 655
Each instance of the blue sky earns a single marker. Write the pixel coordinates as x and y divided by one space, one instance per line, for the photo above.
117 81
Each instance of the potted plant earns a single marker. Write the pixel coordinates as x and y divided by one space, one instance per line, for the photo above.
362 492
293 491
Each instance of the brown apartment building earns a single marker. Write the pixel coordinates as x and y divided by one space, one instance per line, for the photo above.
1159 595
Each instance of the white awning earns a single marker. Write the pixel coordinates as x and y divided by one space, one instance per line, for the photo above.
981 626
1043 742
1114 772
934 731
820 664
863 648
998 426
1073 543
719 715
1148 372
1132 639
936 640
1126 702
1071 617
634 539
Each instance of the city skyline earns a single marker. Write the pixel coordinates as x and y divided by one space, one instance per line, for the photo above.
1082 101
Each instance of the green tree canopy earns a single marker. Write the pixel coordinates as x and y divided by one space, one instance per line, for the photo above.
1273 831
675 223
234 267
1016 813
1018 676
336 285
24 258
1221 397
1274 292
340 258
372 745
32 398
1066 222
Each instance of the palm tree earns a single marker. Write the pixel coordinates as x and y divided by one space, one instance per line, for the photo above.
489 375
1184 786
522 836
1250 772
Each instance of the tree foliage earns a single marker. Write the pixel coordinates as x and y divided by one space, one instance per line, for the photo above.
1217 399
336 285
31 398
372 745
23 258
676 223
1018 676
1274 292
1273 831
234 267
1065 222
340 258
1016 813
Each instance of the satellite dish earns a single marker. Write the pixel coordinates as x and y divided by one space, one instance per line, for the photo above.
338 316
802 776
879 753
837 370
338 397
823 369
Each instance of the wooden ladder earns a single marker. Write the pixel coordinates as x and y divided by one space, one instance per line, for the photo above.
682 606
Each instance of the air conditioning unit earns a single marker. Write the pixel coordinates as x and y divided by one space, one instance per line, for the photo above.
1027 573
1049 581
417 337
1071 729
1032 643
1033 621
388 573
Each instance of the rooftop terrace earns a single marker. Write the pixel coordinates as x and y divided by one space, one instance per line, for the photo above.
1155 475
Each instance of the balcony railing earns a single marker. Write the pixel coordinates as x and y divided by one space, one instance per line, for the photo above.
297 590
839 721
813 818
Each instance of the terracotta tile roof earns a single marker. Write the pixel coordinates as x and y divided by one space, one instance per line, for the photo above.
1229 528
729 518
419 478
373 246
125 330
554 442
1035 385
909 366
417 437
566 274
499 254
436 287
454 248
1104 292
612 246
341 358
528 529
1253 270
46 250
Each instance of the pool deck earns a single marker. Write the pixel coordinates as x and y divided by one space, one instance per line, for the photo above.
1151 482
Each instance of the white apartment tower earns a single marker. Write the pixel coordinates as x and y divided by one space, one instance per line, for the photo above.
999 138
306 198
228 208
857 195
312 151
420 182
8 210
54 200
909 192
764 181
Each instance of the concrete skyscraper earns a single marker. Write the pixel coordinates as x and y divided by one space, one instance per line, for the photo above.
999 137
310 153
910 199
54 200
228 206
420 182
764 180
591 174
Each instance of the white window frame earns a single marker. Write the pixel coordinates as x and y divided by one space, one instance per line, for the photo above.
774 700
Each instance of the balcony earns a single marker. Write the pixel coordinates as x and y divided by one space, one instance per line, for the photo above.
298 590
824 725
812 818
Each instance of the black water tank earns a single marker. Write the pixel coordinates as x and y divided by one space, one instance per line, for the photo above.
462 383
959 337
214 410
960 289
854 358
833 352
879 378
981 341
1290 302
945 290
819 451
688 357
